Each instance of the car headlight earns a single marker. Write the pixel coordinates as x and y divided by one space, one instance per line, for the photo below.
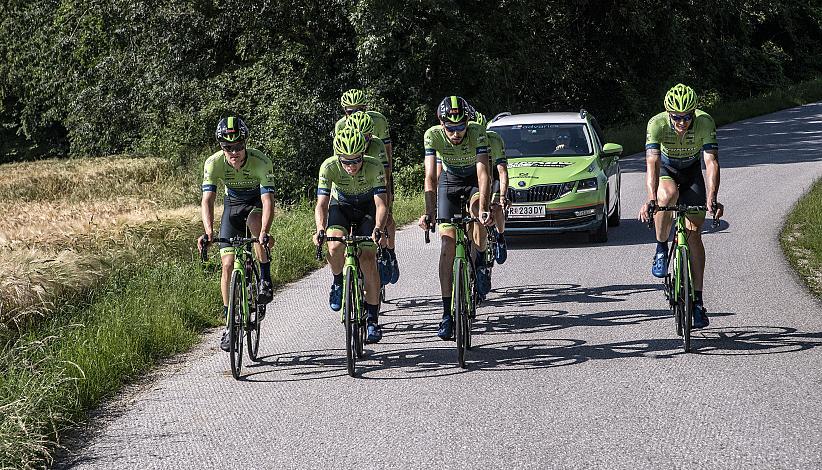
566 188
589 184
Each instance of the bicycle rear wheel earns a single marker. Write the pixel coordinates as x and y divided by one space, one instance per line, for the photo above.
252 330
351 335
235 323
459 311
685 305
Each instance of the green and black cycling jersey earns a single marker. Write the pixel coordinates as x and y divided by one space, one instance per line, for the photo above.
681 152
355 189
255 176
457 159
381 129
376 149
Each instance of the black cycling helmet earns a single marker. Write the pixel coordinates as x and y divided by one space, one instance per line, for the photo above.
230 130
454 109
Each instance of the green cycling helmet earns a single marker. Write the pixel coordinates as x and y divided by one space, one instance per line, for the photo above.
349 141
361 121
453 109
352 97
479 118
680 99
230 130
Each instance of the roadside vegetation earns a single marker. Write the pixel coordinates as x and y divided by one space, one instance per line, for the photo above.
801 238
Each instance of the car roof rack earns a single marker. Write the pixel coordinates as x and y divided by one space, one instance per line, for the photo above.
501 115
582 113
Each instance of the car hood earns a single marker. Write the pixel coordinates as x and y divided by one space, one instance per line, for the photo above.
524 172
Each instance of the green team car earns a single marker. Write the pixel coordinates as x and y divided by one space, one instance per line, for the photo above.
562 175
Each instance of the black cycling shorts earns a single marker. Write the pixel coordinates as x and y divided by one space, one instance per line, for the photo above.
341 216
235 214
690 182
449 191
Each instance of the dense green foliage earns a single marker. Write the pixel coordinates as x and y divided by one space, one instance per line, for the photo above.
105 76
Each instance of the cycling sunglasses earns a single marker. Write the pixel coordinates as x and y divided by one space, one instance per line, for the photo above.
353 161
457 128
237 147
681 117
350 111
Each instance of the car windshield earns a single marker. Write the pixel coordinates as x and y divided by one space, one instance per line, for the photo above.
542 139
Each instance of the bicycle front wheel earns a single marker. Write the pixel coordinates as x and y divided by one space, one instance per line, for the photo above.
686 306
350 322
252 331
460 313
235 323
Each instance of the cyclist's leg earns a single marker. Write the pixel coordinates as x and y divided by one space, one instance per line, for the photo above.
232 224
448 203
338 223
693 193
364 217
254 223
667 194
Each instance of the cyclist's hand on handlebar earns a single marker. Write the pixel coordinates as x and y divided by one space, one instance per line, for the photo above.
646 212
424 222
317 236
380 237
202 242
264 239
485 218
716 209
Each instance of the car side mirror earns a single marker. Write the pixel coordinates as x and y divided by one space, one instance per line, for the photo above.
611 150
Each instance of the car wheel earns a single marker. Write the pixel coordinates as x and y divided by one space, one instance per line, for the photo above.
614 218
600 234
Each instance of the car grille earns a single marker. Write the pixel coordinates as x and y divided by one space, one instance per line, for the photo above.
539 193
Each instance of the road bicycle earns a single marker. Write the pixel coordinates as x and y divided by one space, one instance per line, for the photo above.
464 295
352 314
244 312
678 282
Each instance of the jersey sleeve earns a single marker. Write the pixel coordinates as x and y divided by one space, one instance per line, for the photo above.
381 129
499 151
265 173
211 175
653 135
325 180
429 144
378 181
479 138
708 132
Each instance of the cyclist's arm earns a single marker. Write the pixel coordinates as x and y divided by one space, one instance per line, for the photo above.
652 159
381 201
207 212
321 211
484 180
502 169
268 212
711 158
430 185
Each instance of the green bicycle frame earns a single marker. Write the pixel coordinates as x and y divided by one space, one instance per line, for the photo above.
352 263
460 254
681 242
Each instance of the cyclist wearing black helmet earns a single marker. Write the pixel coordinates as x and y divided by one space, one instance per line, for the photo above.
247 175
460 147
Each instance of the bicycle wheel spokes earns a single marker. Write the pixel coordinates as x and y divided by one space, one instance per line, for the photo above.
458 308
351 336
252 332
235 324
685 303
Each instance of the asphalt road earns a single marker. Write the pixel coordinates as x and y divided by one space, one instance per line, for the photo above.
575 365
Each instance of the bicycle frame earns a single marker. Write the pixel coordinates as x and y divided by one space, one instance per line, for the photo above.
681 240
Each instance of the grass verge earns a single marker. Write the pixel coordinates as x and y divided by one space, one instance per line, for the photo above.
801 238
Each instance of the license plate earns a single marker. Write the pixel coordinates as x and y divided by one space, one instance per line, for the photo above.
528 212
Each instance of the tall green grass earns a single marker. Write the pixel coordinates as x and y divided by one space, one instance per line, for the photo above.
801 238
632 135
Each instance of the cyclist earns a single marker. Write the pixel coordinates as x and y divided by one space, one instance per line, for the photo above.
353 101
363 123
248 177
675 141
461 147
499 187
351 189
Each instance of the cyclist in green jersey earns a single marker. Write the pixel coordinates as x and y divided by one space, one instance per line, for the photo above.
353 101
499 186
361 121
675 141
248 177
351 190
461 148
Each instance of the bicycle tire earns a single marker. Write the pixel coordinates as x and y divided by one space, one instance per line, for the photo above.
458 309
672 287
349 322
685 304
252 332
235 324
